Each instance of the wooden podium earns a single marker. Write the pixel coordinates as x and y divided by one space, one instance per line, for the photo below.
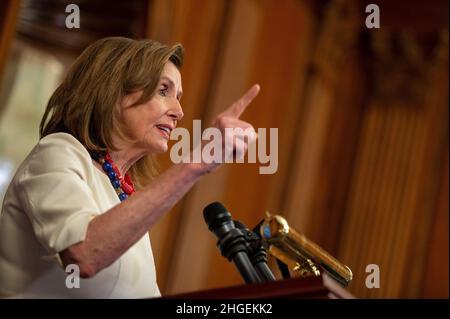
322 287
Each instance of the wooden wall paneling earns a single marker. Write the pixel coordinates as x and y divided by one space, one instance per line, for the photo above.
199 31
435 272
375 215
280 64
337 159
430 170
364 210
9 10
389 217
401 226
307 28
372 191
435 282
162 19
352 169
330 126
360 212
398 261
422 17
308 148
378 195
42 23
388 220
377 243
195 251
433 126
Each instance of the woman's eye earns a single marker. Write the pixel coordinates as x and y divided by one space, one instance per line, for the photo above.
163 91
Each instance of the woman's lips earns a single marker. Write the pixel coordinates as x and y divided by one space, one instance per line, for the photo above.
165 130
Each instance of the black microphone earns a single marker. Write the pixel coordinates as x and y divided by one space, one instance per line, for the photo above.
256 251
231 241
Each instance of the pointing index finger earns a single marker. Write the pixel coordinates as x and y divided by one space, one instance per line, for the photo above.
238 107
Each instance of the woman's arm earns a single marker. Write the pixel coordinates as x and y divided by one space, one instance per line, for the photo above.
110 234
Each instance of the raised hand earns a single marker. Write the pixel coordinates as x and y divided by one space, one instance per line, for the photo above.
235 141
237 108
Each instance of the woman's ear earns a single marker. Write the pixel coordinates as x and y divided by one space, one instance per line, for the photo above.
129 99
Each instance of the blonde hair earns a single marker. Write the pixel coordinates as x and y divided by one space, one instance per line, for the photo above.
84 105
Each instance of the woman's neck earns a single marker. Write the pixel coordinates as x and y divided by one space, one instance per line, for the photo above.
124 159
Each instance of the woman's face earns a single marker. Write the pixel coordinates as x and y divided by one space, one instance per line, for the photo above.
149 125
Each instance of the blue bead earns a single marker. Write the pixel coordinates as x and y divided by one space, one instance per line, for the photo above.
115 183
266 231
107 167
123 196
111 175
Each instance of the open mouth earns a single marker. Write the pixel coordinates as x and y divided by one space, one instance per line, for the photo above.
165 130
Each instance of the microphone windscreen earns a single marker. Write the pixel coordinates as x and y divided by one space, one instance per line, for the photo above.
215 214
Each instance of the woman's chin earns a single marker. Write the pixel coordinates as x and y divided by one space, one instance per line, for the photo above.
160 148
155 147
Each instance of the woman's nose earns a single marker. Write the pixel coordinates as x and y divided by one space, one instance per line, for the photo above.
176 111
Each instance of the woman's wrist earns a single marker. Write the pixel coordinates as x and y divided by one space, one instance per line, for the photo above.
199 169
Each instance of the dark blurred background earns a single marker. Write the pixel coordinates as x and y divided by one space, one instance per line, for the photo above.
362 117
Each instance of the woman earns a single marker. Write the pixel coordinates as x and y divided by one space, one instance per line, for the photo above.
87 194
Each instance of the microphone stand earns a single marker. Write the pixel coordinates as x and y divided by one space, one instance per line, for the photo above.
256 252
233 247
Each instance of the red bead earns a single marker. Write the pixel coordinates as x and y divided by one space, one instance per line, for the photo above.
126 183
128 189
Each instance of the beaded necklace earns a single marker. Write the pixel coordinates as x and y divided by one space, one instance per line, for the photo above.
123 185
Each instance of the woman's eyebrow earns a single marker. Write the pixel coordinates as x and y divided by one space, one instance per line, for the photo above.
172 84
